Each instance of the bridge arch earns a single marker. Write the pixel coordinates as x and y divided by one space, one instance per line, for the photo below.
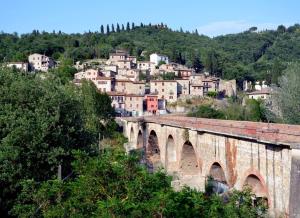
140 140
217 173
171 156
153 151
189 164
258 186
131 136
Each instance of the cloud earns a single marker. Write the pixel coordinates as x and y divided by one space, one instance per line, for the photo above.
234 26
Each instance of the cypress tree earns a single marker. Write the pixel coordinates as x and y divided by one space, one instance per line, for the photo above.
112 28
118 28
127 26
102 29
107 29
123 28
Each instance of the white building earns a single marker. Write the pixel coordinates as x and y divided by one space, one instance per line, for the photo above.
18 65
156 58
40 62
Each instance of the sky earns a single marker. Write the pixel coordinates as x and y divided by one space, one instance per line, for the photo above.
209 17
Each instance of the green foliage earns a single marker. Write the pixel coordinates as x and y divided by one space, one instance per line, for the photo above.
168 76
253 110
41 122
247 55
212 94
285 101
206 111
116 185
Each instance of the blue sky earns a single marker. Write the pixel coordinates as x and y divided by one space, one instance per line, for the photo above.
210 17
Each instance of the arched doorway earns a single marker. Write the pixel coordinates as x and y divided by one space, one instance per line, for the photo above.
188 163
140 140
258 188
131 139
217 179
171 154
217 173
153 151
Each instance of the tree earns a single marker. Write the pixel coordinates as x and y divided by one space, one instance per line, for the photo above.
112 28
211 62
102 29
252 29
285 99
196 32
141 25
41 123
132 26
118 28
197 65
281 29
107 29
127 26
123 28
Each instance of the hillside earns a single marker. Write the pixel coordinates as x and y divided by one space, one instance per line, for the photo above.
247 55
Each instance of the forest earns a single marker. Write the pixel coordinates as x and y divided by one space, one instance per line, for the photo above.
250 55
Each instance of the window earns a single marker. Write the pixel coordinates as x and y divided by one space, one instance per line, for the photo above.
130 98
170 97
162 90
155 83
163 83
137 105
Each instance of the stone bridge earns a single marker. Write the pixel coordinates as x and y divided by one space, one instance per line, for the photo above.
264 156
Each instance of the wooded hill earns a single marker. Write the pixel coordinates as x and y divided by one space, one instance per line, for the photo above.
248 55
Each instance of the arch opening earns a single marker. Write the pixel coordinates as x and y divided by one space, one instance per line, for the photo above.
131 135
140 140
217 179
171 153
257 187
217 173
188 163
153 151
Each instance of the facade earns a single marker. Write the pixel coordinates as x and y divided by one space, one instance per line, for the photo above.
152 103
165 89
40 62
260 94
134 104
228 87
89 74
145 65
156 58
119 55
183 87
18 65
103 84
117 101
196 90
130 87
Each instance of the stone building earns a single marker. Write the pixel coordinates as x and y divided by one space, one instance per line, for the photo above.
165 89
40 62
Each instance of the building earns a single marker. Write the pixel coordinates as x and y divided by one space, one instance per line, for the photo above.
18 65
103 84
157 58
89 74
118 102
196 90
40 62
134 104
228 87
119 55
165 89
151 103
260 94
145 65
183 87
130 87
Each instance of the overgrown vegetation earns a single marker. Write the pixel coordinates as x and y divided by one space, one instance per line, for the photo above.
252 110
